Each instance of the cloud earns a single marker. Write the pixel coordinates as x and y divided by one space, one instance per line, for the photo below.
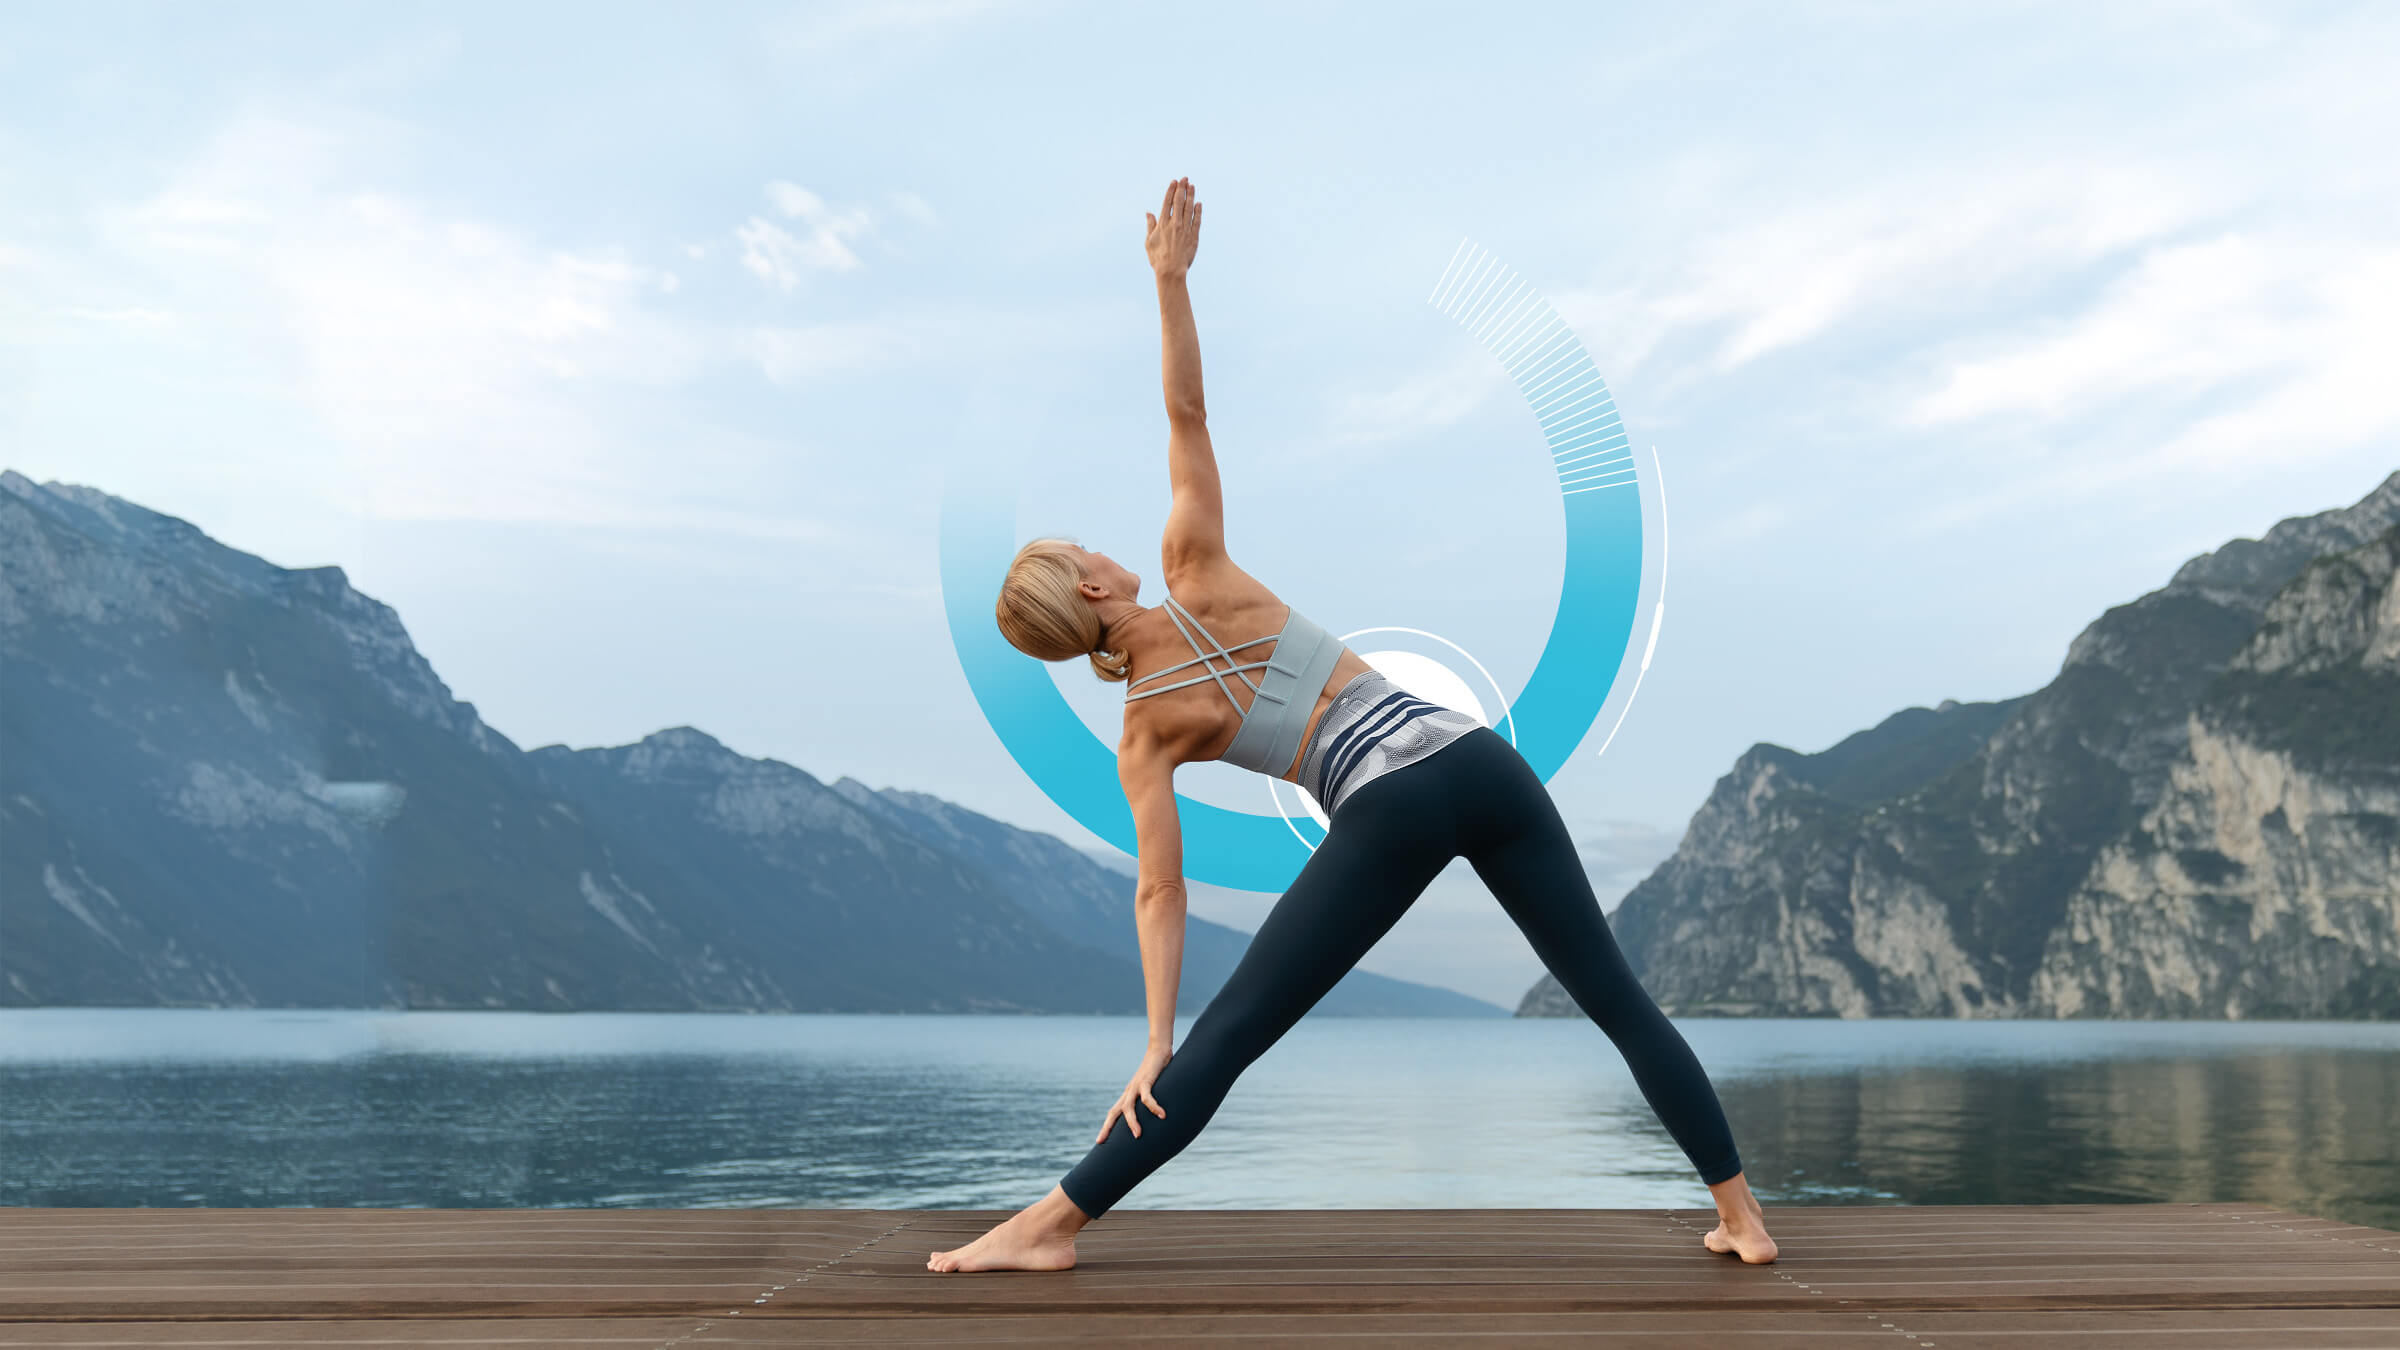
1720 299
130 314
2065 325
451 367
2181 319
778 256
1618 854
2242 350
1738 528
794 354
1433 398
830 24
463 369
841 49
790 354
1924 241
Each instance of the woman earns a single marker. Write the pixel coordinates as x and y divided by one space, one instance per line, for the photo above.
1406 786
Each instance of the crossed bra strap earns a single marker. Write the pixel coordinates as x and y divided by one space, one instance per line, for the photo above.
1180 616
1281 701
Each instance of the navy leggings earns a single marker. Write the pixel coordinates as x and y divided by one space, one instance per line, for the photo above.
1477 797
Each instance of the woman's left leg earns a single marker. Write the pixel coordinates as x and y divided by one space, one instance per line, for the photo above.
1517 842
1388 841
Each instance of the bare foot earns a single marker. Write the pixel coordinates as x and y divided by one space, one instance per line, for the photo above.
1040 1236
1741 1229
1751 1243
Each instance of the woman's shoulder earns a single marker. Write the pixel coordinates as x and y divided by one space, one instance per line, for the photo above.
1215 582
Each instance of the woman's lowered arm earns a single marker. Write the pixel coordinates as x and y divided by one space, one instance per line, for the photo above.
1148 775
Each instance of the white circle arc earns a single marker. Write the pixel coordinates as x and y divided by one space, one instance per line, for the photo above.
1658 616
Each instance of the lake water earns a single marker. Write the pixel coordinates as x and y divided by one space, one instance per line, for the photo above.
245 1108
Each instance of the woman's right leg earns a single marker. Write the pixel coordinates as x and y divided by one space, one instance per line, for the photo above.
1388 841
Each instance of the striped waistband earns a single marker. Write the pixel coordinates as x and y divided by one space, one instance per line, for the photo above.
1373 727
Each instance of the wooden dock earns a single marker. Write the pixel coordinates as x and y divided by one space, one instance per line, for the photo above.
1947 1278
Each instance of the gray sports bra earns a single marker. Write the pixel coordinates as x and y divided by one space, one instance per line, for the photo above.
1280 702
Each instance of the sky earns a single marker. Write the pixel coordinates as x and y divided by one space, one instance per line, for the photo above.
622 349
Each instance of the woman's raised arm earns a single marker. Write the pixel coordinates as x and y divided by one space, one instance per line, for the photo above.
1172 240
1196 523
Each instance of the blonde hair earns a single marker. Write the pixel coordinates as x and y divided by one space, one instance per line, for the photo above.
1043 615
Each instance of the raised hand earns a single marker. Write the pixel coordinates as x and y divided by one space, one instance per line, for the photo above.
1174 233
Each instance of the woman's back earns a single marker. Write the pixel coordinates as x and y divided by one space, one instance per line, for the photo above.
1274 672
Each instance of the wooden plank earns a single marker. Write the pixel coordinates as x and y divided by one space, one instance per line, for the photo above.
1163 1263
148 1263
2335 1330
1819 1331
2234 1275
511 1333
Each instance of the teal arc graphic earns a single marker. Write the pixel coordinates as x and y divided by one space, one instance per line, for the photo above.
1599 593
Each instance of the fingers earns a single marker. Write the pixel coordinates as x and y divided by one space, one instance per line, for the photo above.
1153 1101
1124 1107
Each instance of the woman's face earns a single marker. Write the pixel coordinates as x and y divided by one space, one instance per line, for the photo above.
1103 570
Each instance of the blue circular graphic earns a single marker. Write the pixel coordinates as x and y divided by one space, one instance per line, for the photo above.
1599 595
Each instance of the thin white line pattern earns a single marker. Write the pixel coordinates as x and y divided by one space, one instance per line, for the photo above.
1570 401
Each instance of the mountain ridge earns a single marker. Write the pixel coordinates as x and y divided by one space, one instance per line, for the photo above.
229 783
2103 847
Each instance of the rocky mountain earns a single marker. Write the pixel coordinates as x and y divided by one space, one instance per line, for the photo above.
2199 816
227 783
